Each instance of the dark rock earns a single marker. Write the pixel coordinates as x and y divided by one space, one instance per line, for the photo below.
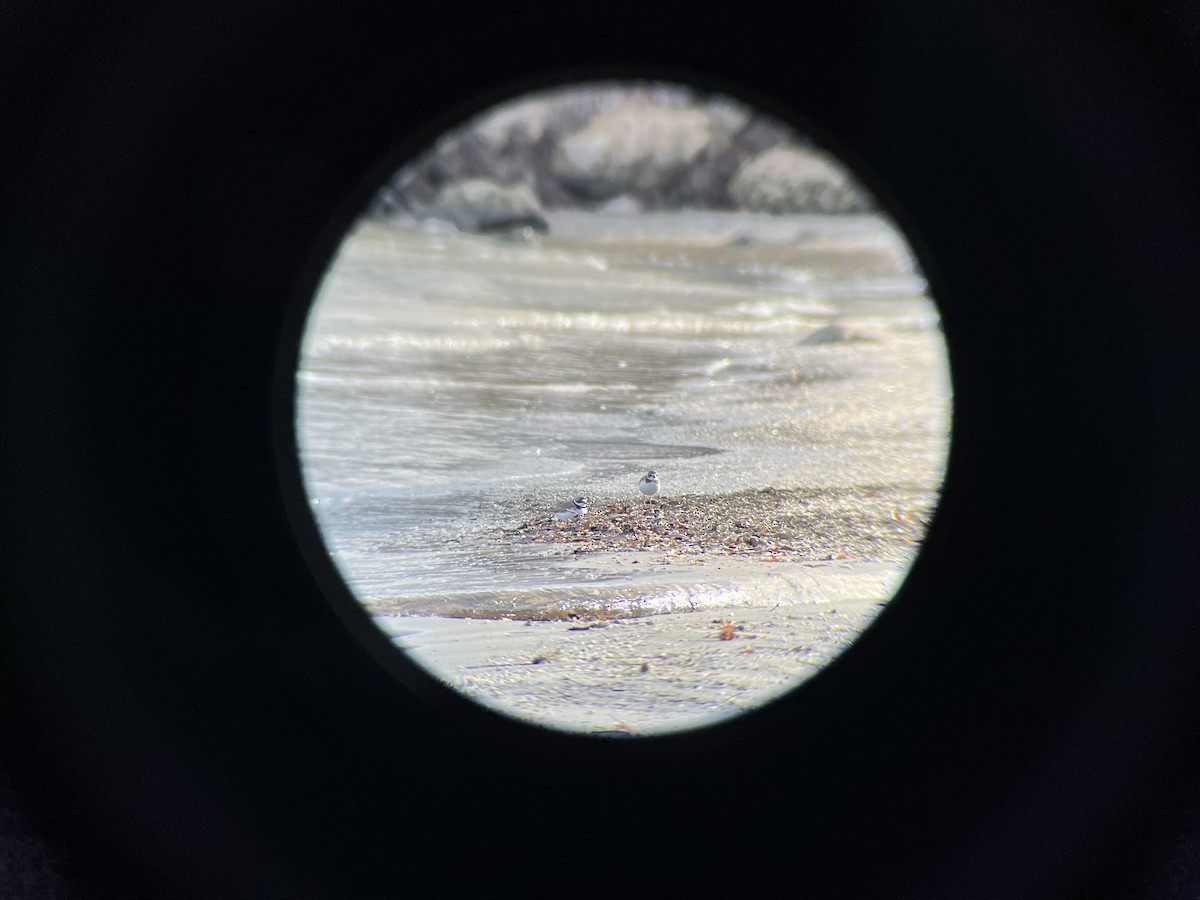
482 205
636 149
839 333
736 138
622 204
511 143
653 145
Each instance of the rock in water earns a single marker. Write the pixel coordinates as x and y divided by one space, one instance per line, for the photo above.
840 333
480 205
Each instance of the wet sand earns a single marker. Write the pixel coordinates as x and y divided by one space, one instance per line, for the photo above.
787 382
752 548
796 575
652 674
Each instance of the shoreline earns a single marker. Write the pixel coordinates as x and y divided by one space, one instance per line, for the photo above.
747 549
639 676
810 524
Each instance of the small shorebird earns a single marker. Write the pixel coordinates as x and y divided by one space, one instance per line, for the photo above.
649 485
572 510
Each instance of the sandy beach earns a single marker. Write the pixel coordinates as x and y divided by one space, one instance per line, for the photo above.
785 377
760 600
651 674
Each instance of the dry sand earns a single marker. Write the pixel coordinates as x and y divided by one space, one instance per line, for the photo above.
649 674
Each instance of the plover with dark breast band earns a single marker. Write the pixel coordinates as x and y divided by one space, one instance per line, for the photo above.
572 510
649 485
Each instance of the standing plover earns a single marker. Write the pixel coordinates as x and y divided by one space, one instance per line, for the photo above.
571 510
649 485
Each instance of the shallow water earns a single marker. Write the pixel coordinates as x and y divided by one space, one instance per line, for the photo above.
454 386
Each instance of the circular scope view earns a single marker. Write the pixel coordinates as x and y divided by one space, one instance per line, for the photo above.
623 409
